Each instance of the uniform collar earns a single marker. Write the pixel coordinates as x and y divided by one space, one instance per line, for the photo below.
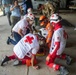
57 26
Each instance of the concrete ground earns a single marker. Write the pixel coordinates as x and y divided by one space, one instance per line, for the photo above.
9 69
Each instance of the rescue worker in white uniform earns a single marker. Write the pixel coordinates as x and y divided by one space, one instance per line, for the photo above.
58 45
21 28
25 51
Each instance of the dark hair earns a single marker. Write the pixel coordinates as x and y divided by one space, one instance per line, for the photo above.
39 6
14 1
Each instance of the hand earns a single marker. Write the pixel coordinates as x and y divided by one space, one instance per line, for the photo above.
36 67
47 58
15 5
12 34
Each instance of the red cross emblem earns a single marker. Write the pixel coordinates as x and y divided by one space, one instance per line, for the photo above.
52 15
29 39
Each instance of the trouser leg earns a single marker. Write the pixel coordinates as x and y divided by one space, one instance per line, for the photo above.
51 64
17 38
7 58
8 16
15 20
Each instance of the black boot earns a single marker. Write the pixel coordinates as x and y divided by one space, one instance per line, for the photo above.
8 40
63 71
5 60
68 60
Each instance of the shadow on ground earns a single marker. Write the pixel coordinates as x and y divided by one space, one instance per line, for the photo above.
64 22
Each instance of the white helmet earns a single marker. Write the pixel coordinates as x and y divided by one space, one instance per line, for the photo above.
31 16
44 32
55 18
29 11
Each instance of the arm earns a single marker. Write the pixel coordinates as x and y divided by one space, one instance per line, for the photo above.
32 62
49 36
20 32
54 51
29 27
21 9
56 48
4 3
33 58
12 8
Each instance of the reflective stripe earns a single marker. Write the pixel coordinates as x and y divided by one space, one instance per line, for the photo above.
54 66
49 39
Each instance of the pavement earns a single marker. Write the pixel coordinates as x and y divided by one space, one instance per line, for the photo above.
9 69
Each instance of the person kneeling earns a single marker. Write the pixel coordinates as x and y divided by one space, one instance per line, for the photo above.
25 51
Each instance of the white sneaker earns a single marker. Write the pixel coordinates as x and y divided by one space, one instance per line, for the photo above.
17 62
63 71
74 28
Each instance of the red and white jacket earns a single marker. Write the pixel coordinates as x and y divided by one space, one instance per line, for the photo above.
27 46
58 40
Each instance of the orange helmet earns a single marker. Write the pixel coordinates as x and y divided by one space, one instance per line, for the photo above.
41 19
